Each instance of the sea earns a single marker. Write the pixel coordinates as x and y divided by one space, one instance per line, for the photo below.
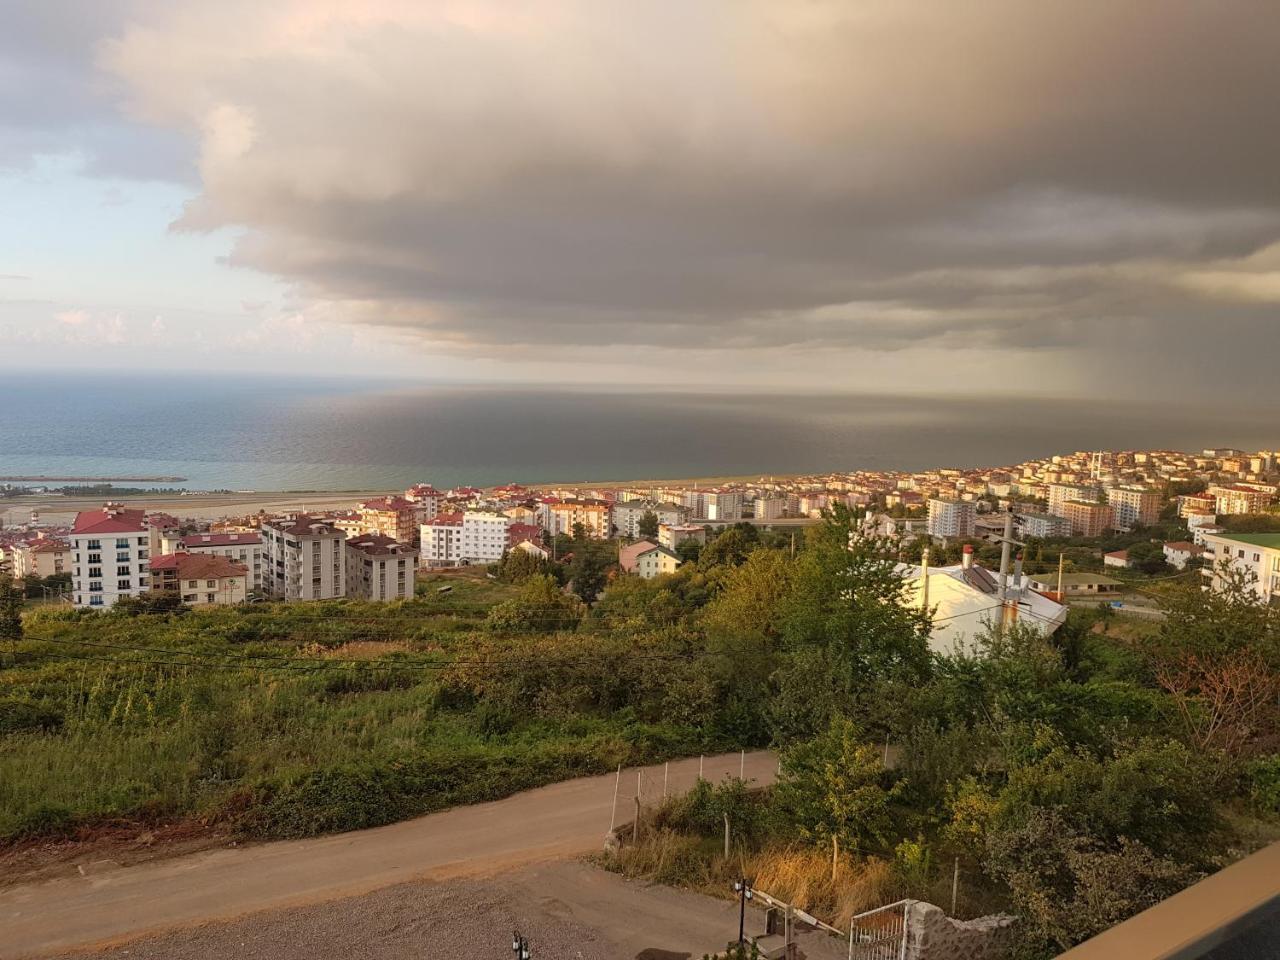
267 433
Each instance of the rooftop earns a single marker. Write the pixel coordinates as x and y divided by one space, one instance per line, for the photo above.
1269 540
110 519
198 566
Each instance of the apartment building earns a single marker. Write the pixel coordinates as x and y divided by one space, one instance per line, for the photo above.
558 516
770 508
427 499
1255 555
242 548
42 557
1059 494
951 518
1134 506
627 516
379 568
200 579
110 556
441 540
723 505
303 558
1088 519
1043 525
392 517
1239 499
484 536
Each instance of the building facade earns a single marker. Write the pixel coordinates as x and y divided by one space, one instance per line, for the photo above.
441 540
1044 526
1059 494
241 548
484 536
1088 519
951 518
200 579
1256 556
392 517
379 568
1239 499
110 556
42 557
672 535
1134 506
627 516
304 559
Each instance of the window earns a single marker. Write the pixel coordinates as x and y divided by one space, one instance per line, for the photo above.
94 545
95 586
1257 558
124 584
123 571
191 584
122 543
95 572
211 583
188 598
142 541
142 554
95 558
208 597
95 601
122 556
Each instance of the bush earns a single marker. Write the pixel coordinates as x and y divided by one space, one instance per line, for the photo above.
1263 784
23 716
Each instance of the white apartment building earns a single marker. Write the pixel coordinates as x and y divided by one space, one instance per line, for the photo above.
951 518
441 540
484 536
243 548
1239 499
379 568
110 556
1131 506
1060 494
1257 555
723 505
1043 525
42 557
627 516
304 559
427 498
769 508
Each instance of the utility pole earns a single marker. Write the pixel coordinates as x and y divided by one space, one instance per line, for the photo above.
924 580
1062 558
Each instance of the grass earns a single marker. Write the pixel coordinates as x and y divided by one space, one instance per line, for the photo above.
293 721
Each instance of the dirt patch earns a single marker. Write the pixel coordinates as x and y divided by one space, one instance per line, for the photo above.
122 843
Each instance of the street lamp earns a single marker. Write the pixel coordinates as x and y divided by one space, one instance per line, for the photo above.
743 889
520 947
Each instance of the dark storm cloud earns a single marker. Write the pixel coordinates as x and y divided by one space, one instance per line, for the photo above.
1049 177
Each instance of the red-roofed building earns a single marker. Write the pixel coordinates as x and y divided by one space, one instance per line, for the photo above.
520 532
110 555
200 579
41 557
242 548
427 499
393 517
441 540
303 558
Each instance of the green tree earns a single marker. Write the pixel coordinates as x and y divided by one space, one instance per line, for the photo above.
835 785
588 570
10 611
648 526
540 607
731 547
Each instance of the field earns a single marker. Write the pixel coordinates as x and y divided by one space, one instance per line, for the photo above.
277 720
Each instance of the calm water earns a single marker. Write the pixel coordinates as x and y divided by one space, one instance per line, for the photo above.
270 434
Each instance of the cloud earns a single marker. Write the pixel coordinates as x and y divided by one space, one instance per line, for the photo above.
1059 184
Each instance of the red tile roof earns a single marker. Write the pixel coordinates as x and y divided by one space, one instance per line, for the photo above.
376 544
198 566
219 539
110 520
445 520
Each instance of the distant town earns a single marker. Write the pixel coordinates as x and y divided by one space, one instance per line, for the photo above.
374 549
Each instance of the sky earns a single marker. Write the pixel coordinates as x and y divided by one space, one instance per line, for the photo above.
999 197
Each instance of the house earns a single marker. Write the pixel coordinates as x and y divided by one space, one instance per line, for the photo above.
110 555
379 568
304 559
672 535
965 601
1181 552
647 559
533 548
524 533
1077 584
1255 556
243 548
1116 558
200 579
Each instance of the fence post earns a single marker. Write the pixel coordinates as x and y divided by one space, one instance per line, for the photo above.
666 777
835 855
955 886
636 831
613 814
726 836
742 767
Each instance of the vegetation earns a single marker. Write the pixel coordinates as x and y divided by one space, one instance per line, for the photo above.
1073 779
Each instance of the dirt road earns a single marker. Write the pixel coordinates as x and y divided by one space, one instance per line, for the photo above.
110 905
564 908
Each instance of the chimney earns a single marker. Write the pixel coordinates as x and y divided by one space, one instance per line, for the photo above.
966 556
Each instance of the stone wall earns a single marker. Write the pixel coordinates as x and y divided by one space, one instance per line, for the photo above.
932 935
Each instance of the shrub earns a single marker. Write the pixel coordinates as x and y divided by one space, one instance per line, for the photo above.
1263 779
23 716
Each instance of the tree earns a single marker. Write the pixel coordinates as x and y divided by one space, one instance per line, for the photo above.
540 607
648 526
835 786
731 547
1147 557
588 570
10 611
